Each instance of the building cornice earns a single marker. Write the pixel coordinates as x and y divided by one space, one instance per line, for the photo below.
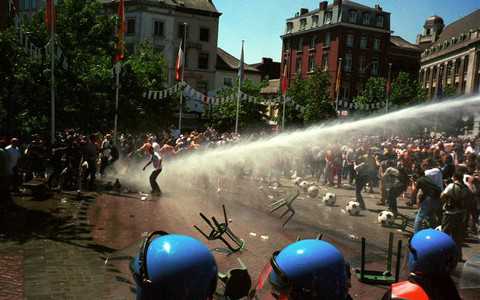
330 26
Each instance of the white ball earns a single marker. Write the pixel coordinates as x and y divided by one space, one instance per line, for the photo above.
329 199
386 217
313 191
353 208
298 180
304 185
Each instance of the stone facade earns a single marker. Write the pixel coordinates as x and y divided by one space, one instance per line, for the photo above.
453 59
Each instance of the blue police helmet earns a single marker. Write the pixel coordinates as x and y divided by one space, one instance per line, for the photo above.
432 252
310 269
172 266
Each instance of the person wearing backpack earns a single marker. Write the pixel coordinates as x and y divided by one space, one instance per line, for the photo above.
427 200
454 199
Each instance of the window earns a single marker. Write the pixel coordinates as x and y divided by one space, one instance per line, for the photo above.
314 21
376 44
300 44
352 16
380 21
228 81
457 67
465 66
311 62
366 19
181 31
303 24
298 65
350 40
328 17
375 67
289 27
325 61
313 42
364 42
203 61
202 86
158 28
130 26
204 34
347 65
346 90
362 64
327 39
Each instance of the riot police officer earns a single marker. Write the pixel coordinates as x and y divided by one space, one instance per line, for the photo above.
309 270
173 266
433 255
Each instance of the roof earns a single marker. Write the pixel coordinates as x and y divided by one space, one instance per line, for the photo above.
201 5
402 43
226 61
272 88
455 29
348 3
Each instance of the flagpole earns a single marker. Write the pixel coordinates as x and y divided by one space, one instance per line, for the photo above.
52 73
239 91
338 83
389 86
283 112
182 77
118 68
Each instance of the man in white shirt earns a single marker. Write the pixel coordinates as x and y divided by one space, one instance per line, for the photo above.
436 175
13 152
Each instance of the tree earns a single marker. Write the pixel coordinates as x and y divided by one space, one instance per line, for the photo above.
252 115
313 94
406 91
374 92
85 45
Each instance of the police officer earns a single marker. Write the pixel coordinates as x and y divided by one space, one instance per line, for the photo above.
433 255
309 270
174 267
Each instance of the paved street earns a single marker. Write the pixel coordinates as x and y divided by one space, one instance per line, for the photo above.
57 249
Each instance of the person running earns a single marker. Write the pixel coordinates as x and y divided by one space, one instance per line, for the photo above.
156 161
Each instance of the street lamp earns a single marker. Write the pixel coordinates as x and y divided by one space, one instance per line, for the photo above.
388 86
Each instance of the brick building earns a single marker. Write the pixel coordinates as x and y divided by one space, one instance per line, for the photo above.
360 35
452 56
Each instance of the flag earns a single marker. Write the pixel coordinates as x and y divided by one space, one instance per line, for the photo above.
50 15
120 49
241 69
12 9
339 76
389 87
284 81
179 63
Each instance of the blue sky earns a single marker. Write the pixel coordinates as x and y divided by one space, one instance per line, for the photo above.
261 22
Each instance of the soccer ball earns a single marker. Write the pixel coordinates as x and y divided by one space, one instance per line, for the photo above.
304 185
386 218
353 208
329 199
298 180
313 191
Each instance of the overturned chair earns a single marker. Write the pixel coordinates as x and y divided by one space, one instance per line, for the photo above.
285 202
220 231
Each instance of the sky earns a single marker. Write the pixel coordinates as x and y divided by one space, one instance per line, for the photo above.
261 22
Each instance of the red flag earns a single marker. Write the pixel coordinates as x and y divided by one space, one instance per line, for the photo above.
284 81
120 55
339 78
179 63
389 87
50 15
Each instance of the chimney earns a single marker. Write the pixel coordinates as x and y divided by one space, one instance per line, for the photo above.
378 7
323 5
267 60
337 2
303 11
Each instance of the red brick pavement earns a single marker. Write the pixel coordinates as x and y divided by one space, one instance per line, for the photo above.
11 277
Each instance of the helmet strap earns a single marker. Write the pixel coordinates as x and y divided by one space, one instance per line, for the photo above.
143 255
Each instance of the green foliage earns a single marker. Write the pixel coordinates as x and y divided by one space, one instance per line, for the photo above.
374 91
449 91
85 94
406 91
313 94
251 115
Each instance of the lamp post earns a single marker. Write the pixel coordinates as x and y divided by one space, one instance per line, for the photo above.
389 87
